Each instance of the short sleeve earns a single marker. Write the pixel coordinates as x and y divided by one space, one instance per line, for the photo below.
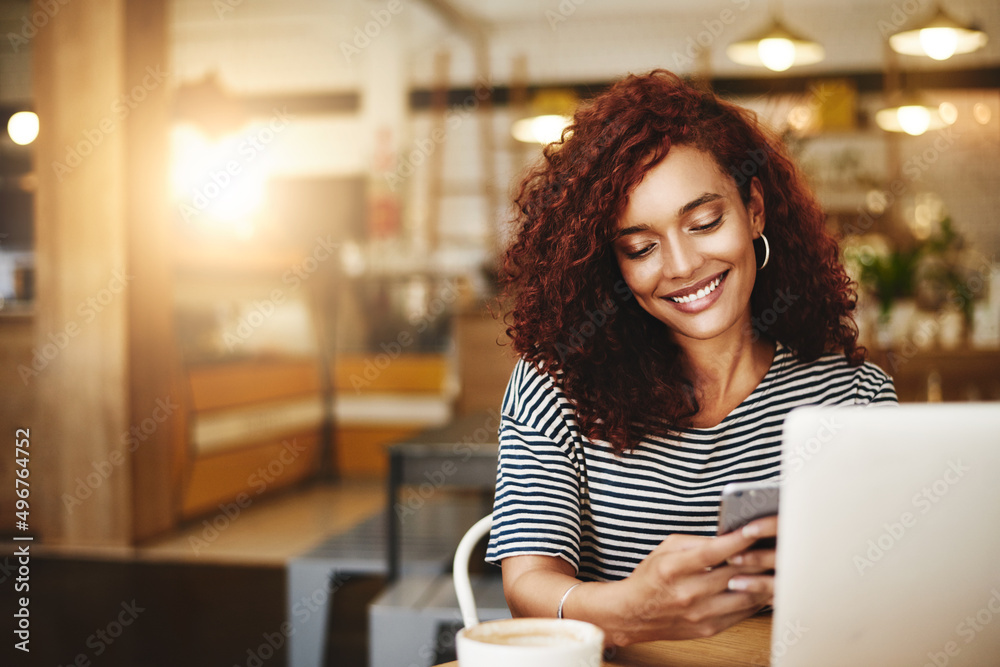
874 387
536 510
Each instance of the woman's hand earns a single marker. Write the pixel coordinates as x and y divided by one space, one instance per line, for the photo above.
692 586
687 587
757 561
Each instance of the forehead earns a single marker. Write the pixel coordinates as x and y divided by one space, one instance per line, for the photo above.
685 174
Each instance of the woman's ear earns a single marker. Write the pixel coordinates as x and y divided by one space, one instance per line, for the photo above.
755 207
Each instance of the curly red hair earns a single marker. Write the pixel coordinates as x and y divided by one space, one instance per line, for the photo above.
571 313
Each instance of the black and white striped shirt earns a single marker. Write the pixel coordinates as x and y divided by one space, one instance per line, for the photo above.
560 494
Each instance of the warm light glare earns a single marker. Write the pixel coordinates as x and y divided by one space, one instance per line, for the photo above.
981 113
352 259
799 117
940 38
776 48
777 53
939 43
926 215
914 119
949 112
23 127
876 201
217 184
540 129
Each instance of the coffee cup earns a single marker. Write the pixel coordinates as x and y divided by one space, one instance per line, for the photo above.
531 642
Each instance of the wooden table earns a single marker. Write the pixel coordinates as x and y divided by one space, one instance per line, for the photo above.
747 644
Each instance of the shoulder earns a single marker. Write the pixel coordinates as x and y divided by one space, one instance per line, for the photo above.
534 400
832 371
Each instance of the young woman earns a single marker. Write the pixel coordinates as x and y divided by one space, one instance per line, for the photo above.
674 294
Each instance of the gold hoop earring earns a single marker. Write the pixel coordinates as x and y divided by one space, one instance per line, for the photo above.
767 252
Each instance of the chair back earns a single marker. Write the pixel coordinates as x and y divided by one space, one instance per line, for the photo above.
460 569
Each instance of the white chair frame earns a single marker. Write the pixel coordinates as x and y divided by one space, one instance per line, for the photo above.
460 570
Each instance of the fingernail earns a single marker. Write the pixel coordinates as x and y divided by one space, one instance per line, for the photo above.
751 530
736 560
738 584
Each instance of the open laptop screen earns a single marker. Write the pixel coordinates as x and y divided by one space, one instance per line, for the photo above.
889 537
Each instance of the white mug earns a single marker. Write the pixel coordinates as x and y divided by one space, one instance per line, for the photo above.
531 642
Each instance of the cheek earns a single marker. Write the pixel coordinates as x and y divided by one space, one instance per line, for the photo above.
640 277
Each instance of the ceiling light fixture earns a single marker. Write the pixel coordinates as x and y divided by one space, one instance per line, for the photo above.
913 117
940 38
551 113
775 47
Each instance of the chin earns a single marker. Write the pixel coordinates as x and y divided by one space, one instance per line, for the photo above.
703 331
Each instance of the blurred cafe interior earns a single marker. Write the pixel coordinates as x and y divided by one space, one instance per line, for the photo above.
248 277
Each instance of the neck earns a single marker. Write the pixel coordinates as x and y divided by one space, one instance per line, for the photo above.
725 364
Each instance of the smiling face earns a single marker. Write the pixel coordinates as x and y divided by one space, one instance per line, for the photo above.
685 245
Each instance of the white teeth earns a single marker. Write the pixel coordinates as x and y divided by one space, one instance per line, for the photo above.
700 294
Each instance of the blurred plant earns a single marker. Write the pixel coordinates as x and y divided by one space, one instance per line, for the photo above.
928 272
943 271
890 277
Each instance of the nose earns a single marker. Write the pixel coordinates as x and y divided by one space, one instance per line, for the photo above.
682 259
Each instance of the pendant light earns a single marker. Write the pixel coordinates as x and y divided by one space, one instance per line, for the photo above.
551 112
910 116
776 47
940 38
907 111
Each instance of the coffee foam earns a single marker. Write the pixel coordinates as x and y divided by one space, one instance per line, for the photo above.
534 632
530 642
528 638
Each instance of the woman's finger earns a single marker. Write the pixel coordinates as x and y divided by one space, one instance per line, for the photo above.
682 542
762 584
754 559
763 527
714 551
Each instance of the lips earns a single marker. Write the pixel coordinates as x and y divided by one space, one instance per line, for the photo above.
693 289
702 299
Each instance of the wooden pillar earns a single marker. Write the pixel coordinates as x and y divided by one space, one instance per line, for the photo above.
153 366
81 495
103 256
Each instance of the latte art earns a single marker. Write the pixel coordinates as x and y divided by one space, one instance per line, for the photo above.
530 642
529 639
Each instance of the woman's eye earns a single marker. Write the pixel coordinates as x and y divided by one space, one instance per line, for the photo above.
636 254
712 225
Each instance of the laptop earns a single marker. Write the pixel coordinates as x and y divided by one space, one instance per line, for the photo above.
889 537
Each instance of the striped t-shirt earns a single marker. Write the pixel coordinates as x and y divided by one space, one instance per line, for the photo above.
561 494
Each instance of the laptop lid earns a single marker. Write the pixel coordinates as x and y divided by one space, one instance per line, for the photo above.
889 537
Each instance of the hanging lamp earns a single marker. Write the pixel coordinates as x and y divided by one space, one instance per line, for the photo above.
551 112
776 47
939 38
910 116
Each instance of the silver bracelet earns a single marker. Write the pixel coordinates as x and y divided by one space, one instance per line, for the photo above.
559 614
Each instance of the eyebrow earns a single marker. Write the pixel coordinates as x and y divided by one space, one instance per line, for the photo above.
701 200
705 198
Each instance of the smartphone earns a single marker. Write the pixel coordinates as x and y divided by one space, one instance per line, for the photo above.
742 502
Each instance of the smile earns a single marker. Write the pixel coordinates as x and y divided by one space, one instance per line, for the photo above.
701 293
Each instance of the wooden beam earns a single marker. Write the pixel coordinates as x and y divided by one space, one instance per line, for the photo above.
81 490
866 82
153 360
